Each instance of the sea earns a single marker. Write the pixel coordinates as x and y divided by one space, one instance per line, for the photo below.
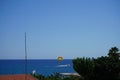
44 67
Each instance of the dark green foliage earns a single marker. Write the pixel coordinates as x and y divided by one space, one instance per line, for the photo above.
106 69
113 53
55 76
102 68
84 66
39 77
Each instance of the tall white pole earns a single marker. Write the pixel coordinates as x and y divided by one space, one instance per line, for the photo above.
25 58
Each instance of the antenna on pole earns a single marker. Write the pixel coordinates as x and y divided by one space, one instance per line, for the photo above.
25 58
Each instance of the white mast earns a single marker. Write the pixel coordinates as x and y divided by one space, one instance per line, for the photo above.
25 58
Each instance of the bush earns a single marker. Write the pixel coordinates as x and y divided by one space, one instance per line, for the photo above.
55 76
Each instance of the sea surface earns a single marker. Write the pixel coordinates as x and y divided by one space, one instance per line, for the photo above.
43 66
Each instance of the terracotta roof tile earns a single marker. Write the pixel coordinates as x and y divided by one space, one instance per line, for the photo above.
17 77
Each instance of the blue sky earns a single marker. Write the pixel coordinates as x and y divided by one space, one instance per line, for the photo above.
68 28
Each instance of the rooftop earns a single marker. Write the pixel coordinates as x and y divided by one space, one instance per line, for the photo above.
17 77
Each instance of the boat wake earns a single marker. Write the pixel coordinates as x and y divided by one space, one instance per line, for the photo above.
65 65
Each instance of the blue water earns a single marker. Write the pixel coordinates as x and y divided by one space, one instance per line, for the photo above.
44 67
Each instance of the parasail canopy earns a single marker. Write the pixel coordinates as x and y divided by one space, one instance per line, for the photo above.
60 58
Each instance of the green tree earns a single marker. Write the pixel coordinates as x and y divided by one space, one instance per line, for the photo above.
101 68
85 67
114 53
114 56
105 69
